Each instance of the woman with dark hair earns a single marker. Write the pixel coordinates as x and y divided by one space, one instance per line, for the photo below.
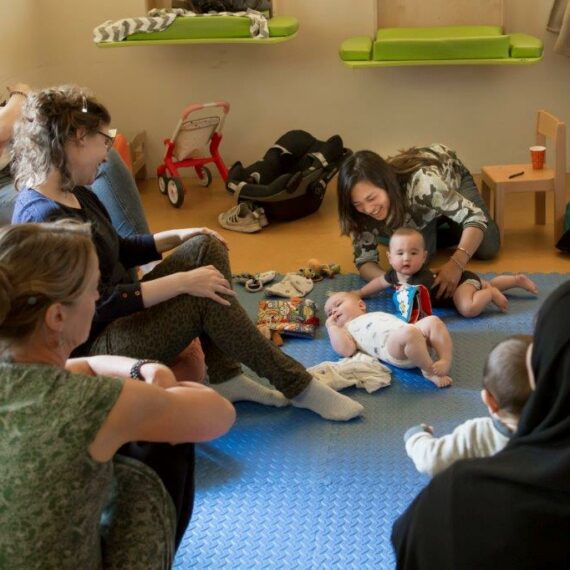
428 189
59 143
511 510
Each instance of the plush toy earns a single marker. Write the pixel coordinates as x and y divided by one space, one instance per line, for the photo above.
317 271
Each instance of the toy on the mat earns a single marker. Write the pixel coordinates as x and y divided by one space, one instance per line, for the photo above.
189 146
412 302
294 317
317 271
291 179
254 282
272 335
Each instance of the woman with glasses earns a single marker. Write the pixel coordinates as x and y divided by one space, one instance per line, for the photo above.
59 144
114 184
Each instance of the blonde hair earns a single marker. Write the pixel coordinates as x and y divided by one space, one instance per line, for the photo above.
350 294
49 118
40 264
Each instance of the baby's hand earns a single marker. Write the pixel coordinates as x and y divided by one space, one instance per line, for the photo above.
427 428
331 321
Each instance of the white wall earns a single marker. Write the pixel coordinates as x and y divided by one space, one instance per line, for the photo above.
486 112
19 43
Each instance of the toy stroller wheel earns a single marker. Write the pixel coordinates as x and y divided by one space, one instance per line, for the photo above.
206 179
175 192
162 183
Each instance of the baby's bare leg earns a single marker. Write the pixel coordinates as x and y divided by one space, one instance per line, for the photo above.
504 282
470 302
437 336
410 343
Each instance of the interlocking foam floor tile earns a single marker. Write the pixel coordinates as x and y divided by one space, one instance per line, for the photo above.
286 489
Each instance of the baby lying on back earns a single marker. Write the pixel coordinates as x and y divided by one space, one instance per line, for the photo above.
388 338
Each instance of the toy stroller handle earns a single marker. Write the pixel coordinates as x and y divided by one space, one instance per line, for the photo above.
197 106
224 105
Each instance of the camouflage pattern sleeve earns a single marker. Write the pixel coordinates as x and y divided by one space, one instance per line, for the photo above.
432 196
364 248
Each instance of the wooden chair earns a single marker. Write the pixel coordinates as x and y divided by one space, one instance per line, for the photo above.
496 178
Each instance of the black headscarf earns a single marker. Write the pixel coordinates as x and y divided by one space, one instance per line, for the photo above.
512 510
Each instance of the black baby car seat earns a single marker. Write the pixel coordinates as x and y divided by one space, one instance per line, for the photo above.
291 180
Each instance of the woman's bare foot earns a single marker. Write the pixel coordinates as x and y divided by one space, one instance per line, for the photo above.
439 381
441 367
524 282
499 300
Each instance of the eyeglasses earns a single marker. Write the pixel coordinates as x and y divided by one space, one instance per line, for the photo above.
109 137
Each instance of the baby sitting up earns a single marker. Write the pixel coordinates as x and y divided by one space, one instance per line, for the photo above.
407 255
388 338
506 388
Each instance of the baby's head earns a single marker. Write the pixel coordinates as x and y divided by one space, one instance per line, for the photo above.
407 251
344 306
506 385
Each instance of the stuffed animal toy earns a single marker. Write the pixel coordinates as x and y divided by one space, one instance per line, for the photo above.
317 271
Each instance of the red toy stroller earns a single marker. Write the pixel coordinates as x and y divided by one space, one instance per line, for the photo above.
187 147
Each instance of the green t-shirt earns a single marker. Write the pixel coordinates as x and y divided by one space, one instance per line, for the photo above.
52 491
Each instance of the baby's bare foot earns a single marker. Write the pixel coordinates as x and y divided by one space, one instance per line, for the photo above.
439 381
500 300
441 367
524 282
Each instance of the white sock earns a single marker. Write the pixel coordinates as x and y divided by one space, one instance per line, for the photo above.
324 401
241 387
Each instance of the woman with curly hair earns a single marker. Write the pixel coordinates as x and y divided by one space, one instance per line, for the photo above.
60 141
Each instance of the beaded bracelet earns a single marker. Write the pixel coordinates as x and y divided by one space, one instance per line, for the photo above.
135 373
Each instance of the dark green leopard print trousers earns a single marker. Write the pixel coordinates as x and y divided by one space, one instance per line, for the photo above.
227 334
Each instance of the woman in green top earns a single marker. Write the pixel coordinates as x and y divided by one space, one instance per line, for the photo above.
63 420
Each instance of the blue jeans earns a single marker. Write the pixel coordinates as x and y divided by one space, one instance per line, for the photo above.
443 232
114 186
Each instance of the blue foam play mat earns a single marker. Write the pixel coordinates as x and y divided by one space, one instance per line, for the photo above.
286 489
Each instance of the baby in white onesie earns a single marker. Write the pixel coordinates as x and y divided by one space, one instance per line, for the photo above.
506 388
388 338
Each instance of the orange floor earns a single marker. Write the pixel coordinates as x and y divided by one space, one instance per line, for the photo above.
287 246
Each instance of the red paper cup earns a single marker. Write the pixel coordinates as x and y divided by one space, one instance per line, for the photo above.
537 155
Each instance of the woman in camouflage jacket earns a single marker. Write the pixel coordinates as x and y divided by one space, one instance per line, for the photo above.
428 189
